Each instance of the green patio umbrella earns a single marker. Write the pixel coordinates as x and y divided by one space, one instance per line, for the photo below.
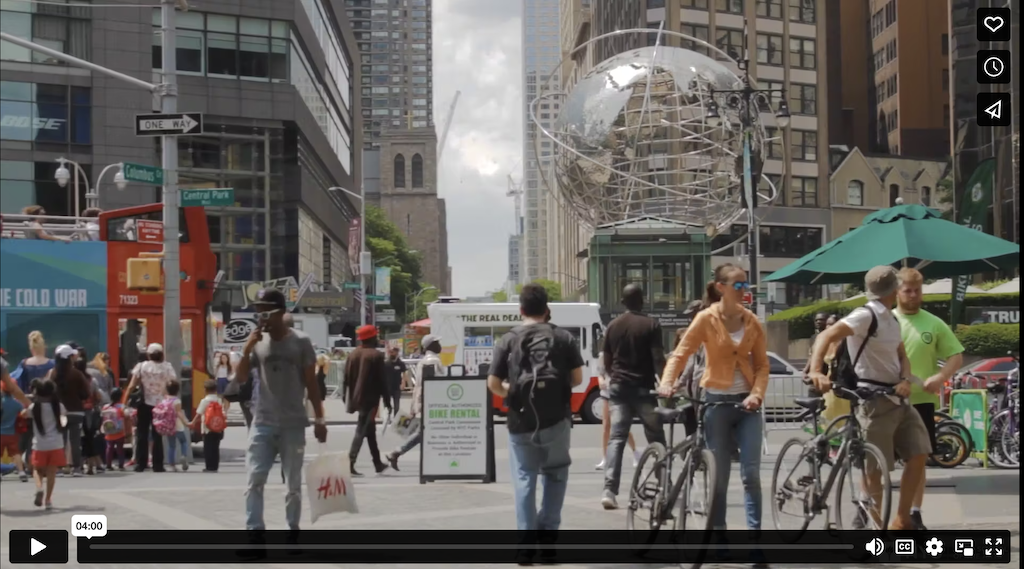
910 235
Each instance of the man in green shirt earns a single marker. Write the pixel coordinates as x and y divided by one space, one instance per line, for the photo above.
927 340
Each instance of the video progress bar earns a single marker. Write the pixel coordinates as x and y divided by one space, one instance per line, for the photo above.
466 546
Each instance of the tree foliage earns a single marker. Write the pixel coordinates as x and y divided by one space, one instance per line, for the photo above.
554 289
389 248
429 294
499 296
944 197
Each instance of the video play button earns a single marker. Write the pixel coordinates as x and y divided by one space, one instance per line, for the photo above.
38 546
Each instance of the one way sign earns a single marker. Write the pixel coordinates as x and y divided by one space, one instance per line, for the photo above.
170 124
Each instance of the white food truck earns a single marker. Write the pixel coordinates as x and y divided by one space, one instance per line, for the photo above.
469 332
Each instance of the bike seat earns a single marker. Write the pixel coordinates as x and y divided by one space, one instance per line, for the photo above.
812 404
670 415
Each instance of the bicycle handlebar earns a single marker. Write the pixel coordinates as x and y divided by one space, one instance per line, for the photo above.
735 404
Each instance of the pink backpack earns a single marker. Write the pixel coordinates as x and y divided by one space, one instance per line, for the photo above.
165 418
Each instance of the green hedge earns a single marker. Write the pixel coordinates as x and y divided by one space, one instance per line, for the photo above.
989 340
801 318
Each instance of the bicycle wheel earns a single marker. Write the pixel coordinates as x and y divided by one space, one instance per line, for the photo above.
960 429
1000 428
943 415
951 450
1011 445
696 502
793 486
647 492
850 491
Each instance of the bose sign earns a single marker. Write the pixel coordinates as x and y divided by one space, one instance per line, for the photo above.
16 121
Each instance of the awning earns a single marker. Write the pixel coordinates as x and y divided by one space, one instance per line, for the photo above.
425 323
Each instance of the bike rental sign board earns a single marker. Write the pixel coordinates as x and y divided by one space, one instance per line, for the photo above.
970 408
458 428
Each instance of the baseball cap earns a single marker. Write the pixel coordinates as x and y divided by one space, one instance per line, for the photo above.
880 282
430 339
154 348
270 298
366 332
64 351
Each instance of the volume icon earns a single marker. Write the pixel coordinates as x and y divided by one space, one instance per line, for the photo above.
875 547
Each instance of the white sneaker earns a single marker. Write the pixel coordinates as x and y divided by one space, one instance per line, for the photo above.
608 501
636 458
600 465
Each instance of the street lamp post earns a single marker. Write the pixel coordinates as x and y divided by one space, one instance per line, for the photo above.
415 299
63 176
746 103
364 254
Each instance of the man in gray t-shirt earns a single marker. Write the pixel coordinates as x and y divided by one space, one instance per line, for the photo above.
286 364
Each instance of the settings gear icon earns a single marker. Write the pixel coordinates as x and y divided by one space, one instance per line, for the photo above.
933 547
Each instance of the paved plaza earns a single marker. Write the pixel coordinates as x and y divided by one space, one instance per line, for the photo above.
967 497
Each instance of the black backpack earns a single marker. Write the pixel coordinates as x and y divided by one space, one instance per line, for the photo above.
538 393
844 372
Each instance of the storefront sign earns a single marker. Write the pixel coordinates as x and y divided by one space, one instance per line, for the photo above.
993 315
455 413
665 319
323 300
37 123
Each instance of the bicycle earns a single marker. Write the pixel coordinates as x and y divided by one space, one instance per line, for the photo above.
809 490
659 489
1004 431
953 442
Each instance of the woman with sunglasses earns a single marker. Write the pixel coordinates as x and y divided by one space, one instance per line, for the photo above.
736 371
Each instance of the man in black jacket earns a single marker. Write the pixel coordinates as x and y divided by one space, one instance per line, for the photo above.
364 388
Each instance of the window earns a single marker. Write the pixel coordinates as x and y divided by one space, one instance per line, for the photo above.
729 6
803 99
699 32
890 13
945 44
926 196
894 194
773 143
804 145
945 80
67 29
769 49
657 4
730 41
892 85
802 11
776 240
698 4
228 46
803 192
399 173
417 171
37 112
802 53
769 9
855 193
945 116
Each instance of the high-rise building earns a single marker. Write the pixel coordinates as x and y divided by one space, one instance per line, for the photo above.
274 81
786 51
897 100
541 57
396 91
970 144
396 63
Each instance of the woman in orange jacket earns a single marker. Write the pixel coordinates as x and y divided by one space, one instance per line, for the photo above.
736 372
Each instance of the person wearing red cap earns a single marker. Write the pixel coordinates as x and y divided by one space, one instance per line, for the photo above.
365 386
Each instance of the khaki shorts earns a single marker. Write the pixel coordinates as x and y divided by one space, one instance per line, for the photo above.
894 428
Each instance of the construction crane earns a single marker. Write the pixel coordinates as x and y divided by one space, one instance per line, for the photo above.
447 125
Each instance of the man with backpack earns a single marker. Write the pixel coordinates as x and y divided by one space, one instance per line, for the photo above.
535 366
633 352
874 356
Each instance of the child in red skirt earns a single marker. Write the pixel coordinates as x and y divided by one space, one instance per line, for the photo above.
49 420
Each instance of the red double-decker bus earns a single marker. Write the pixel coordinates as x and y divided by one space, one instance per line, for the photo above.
138 316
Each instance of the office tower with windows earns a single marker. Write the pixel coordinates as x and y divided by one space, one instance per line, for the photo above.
541 57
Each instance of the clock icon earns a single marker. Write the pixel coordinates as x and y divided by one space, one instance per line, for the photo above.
992 67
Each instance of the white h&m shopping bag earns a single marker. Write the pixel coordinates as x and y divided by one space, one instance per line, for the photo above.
329 483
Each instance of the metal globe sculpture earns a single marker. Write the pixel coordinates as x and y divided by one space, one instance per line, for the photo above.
634 137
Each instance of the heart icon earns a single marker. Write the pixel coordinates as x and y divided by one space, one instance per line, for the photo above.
993 23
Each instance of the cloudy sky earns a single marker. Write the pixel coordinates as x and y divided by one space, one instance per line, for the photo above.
477 50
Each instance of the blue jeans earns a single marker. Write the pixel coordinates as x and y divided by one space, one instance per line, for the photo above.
548 457
725 429
266 443
410 443
625 402
179 440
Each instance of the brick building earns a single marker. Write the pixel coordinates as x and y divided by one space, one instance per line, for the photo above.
408 196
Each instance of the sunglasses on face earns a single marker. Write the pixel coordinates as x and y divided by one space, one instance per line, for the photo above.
267 314
740 285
